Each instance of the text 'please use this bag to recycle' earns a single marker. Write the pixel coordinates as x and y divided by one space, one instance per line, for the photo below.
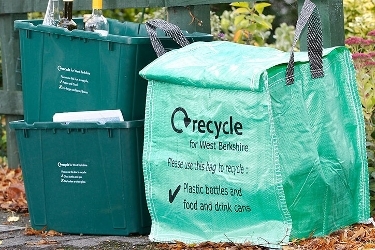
252 144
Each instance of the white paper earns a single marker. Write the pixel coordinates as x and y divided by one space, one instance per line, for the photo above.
100 116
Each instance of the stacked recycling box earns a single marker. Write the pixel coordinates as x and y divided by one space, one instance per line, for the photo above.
85 177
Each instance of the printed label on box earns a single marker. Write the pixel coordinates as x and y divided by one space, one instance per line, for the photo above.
73 173
73 80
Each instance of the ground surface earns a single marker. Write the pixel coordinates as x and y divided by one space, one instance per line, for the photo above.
16 233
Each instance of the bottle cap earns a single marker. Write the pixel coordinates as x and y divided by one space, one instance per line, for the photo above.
97 4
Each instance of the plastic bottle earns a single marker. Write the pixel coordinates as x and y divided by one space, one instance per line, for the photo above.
97 22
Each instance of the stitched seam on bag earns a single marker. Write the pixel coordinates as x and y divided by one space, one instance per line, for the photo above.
352 95
278 173
146 155
364 182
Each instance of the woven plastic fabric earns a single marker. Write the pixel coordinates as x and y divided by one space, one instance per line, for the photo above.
234 153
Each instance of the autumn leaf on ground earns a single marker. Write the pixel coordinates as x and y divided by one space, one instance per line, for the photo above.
43 233
207 245
12 190
358 236
31 231
52 233
43 242
13 218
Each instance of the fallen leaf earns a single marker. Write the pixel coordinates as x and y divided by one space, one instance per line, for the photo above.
15 191
47 242
359 233
10 174
13 218
42 242
12 190
31 231
52 233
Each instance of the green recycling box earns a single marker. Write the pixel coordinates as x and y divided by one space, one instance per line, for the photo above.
84 178
66 71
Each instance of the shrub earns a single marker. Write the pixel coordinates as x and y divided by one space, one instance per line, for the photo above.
359 17
363 53
245 24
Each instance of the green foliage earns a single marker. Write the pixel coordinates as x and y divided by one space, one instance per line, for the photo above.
159 13
129 14
35 15
121 14
359 17
245 24
363 53
224 27
284 36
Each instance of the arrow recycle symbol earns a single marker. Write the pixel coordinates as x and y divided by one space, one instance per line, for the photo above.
187 120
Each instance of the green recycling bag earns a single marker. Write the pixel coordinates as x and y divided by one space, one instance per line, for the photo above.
251 144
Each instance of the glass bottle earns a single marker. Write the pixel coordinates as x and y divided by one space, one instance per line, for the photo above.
97 22
52 16
56 12
67 21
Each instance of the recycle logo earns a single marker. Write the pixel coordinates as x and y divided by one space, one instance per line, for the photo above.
217 128
187 120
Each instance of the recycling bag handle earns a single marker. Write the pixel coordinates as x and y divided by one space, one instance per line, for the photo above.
310 16
171 30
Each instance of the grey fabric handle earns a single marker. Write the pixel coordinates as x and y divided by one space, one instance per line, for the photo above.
171 30
309 15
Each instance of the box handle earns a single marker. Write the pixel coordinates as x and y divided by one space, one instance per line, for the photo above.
25 134
110 133
110 46
28 34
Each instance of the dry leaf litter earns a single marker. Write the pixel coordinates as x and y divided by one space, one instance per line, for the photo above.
354 237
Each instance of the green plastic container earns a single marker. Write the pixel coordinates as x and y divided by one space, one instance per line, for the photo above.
84 178
64 71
